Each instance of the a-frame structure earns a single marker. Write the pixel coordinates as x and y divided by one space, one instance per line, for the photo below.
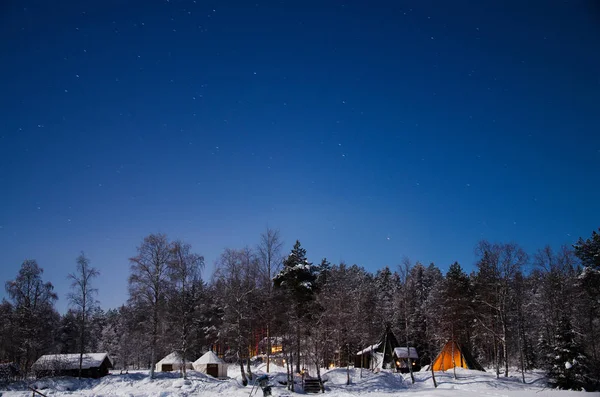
453 355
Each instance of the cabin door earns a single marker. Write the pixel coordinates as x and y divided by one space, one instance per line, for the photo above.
212 370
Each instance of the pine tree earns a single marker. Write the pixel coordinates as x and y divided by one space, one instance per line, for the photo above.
68 333
7 349
35 318
568 364
456 297
297 279
589 250
588 302
386 285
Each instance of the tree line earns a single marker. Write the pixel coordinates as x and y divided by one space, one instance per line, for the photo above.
514 311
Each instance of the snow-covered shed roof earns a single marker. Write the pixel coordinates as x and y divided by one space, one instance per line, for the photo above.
71 361
173 358
369 349
406 352
209 358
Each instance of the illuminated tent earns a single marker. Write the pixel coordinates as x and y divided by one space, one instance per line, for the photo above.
453 355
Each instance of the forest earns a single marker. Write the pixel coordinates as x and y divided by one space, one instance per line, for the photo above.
515 311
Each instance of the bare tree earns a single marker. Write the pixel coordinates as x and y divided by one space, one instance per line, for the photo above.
269 258
148 283
235 281
498 267
184 272
82 298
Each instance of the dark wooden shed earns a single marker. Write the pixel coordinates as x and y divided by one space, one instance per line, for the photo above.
94 365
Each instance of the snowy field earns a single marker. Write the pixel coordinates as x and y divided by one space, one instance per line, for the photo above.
469 383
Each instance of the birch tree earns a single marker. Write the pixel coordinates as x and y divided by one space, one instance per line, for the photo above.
184 272
269 259
82 298
498 267
235 284
148 283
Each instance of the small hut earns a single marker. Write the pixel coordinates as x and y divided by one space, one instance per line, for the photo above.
94 365
405 356
211 364
172 362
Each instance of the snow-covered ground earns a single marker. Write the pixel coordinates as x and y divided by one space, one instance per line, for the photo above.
384 384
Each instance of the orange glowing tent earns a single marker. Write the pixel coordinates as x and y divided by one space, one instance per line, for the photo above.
453 355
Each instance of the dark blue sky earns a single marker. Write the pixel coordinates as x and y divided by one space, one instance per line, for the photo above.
368 130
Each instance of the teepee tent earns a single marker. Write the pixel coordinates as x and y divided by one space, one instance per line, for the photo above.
379 355
172 362
211 364
453 355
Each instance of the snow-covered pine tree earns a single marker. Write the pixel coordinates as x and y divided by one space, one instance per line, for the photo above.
386 285
34 316
456 296
568 364
7 348
588 251
588 302
108 340
297 279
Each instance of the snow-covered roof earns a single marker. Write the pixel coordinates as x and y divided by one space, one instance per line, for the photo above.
403 352
275 340
369 349
173 358
70 361
209 358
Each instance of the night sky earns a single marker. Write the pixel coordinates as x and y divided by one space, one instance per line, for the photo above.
369 131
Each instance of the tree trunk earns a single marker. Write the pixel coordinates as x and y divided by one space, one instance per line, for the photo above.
250 376
384 349
82 336
505 347
318 365
453 360
298 349
291 371
244 379
268 345
497 358
154 338
431 367
348 380
521 354
362 363
410 368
